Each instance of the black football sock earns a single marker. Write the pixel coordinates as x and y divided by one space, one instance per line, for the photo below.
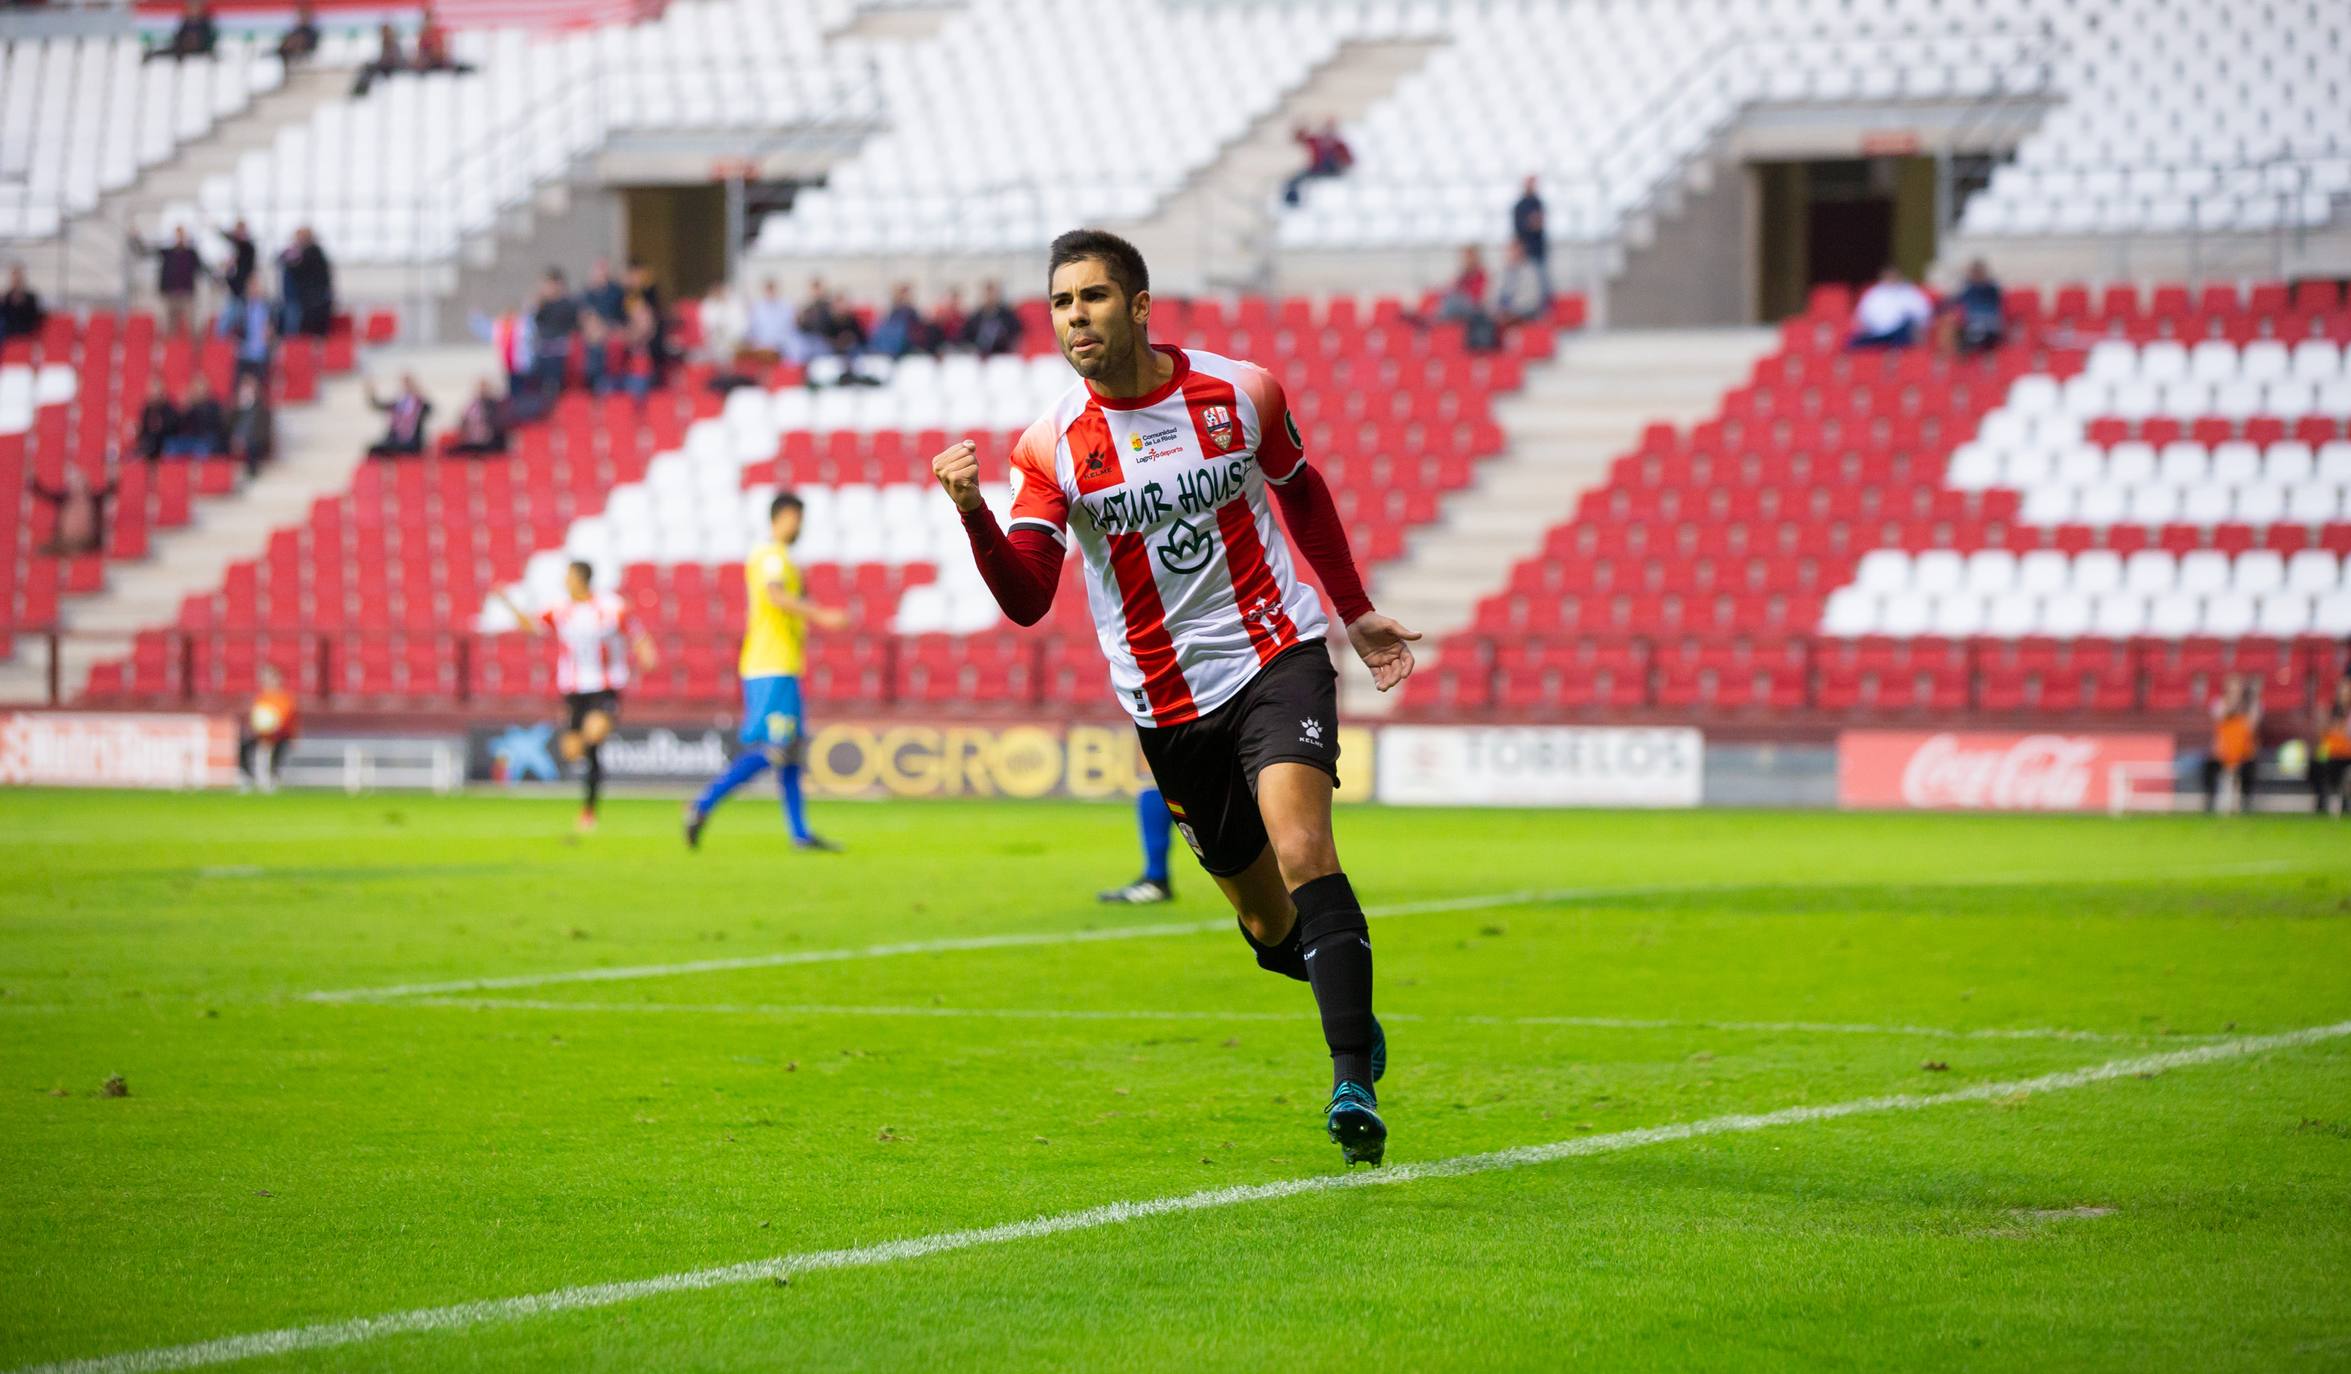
1286 958
595 777
1335 945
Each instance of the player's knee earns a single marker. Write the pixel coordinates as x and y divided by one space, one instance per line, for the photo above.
569 747
1305 853
1267 927
596 729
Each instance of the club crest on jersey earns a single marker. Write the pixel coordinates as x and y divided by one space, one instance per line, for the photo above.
1218 422
1187 547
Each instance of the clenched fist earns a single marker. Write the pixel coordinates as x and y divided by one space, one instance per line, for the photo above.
958 470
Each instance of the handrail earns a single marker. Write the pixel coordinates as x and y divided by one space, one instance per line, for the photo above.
2315 658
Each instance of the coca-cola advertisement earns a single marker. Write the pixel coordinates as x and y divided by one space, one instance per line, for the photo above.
1967 770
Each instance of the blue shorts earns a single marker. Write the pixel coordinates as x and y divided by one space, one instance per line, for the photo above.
771 712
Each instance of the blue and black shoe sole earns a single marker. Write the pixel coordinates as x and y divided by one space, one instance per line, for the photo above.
1361 1136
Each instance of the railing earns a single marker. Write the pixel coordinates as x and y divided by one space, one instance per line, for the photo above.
462 671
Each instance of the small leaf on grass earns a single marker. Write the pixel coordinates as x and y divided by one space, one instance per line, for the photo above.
263 1192
791 1066
1936 1066
1491 932
782 1280
1232 1042
1043 1141
114 1087
61 1092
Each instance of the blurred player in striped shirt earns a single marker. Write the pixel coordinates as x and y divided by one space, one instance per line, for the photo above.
596 634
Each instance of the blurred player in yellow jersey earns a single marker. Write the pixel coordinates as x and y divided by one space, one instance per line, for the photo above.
775 730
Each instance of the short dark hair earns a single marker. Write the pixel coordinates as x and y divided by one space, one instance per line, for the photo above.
1119 257
784 501
586 571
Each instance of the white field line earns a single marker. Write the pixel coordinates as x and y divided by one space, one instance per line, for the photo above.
459 1316
1624 1023
1028 939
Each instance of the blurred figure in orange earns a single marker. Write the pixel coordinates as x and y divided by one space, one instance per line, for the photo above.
269 723
2236 742
2330 755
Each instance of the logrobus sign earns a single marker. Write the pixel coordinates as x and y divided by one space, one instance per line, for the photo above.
1987 771
62 749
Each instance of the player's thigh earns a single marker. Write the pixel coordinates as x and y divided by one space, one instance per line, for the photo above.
1207 794
1295 801
596 725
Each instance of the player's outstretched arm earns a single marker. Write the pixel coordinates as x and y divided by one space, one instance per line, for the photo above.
823 617
1384 646
1021 570
528 622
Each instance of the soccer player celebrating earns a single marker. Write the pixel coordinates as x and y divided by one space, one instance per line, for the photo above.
1158 461
596 632
774 652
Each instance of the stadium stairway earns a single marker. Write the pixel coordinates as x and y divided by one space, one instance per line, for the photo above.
320 449
90 261
1216 232
1577 412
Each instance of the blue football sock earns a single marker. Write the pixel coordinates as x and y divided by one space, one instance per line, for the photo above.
795 810
741 771
1158 828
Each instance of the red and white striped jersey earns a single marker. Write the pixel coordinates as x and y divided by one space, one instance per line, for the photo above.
592 643
1188 577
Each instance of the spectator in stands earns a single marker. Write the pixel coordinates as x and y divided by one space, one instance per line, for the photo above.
1975 318
1523 295
389 59
244 257
1893 313
510 335
159 419
21 315
194 36
253 429
994 328
725 319
301 41
1464 303
306 286
1531 232
80 526
203 430
2330 754
641 344
603 297
1327 155
554 321
404 432
177 270
2236 742
637 284
948 321
249 323
432 47
481 427
269 722
770 325
894 335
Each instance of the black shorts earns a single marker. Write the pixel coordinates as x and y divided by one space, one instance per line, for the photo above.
583 704
1207 768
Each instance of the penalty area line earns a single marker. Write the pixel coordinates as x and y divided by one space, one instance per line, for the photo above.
1033 939
460 1316
1623 1023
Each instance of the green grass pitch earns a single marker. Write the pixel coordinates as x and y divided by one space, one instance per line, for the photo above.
465 1123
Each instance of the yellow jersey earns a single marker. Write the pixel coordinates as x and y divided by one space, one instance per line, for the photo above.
775 640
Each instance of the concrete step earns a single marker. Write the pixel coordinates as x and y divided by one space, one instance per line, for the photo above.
1565 428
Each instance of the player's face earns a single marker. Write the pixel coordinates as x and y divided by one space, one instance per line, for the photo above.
1093 320
786 525
576 585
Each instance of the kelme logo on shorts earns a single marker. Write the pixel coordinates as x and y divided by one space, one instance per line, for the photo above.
1186 548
